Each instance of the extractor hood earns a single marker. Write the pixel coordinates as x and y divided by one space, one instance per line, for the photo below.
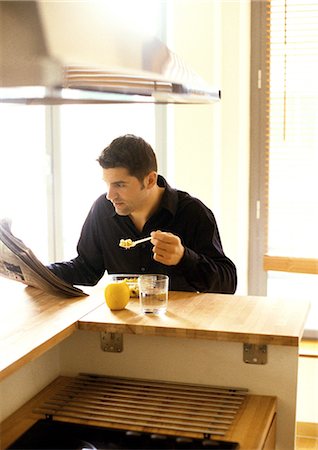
59 52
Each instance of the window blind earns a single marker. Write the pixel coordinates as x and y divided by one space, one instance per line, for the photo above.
292 136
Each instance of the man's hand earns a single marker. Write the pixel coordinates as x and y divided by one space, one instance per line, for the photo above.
167 248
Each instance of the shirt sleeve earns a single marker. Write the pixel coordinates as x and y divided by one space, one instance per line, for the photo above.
204 264
88 267
206 274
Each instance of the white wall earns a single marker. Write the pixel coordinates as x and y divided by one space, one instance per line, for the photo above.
210 145
307 395
25 383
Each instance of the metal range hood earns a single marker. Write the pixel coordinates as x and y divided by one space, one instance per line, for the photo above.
59 52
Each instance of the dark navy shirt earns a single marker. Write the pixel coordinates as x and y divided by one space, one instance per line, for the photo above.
203 268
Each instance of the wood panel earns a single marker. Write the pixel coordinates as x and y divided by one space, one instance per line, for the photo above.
290 264
308 348
270 443
307 429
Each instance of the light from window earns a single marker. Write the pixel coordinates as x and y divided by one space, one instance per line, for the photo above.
24 174
293 133
85 131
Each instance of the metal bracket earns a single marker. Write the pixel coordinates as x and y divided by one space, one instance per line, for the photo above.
111 342
255 354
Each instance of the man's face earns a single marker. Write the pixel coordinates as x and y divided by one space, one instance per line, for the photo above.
126 192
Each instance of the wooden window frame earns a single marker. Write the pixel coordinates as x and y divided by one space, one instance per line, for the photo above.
257 276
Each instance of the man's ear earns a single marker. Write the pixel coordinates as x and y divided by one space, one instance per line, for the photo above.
151 180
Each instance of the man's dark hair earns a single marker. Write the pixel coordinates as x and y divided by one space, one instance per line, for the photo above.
131 152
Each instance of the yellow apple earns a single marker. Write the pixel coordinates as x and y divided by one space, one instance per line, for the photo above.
117 295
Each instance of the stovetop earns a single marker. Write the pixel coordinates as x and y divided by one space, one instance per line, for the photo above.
47 434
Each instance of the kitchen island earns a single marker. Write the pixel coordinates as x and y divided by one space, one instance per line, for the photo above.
203 339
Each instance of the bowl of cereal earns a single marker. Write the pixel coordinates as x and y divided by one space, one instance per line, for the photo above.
130 279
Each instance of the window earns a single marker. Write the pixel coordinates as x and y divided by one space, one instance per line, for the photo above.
25 174
285 200
85 130
49 174
293 129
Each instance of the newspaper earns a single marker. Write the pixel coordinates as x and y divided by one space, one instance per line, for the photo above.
18 262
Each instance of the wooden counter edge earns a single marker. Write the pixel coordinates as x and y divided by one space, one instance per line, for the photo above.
37 351
216 335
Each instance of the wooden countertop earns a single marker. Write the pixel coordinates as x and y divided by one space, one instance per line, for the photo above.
31 321
248 319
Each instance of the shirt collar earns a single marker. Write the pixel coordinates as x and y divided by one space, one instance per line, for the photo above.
169 199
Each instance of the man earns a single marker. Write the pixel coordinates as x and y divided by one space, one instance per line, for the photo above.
185 242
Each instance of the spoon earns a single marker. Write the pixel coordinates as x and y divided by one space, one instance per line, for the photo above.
128 243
